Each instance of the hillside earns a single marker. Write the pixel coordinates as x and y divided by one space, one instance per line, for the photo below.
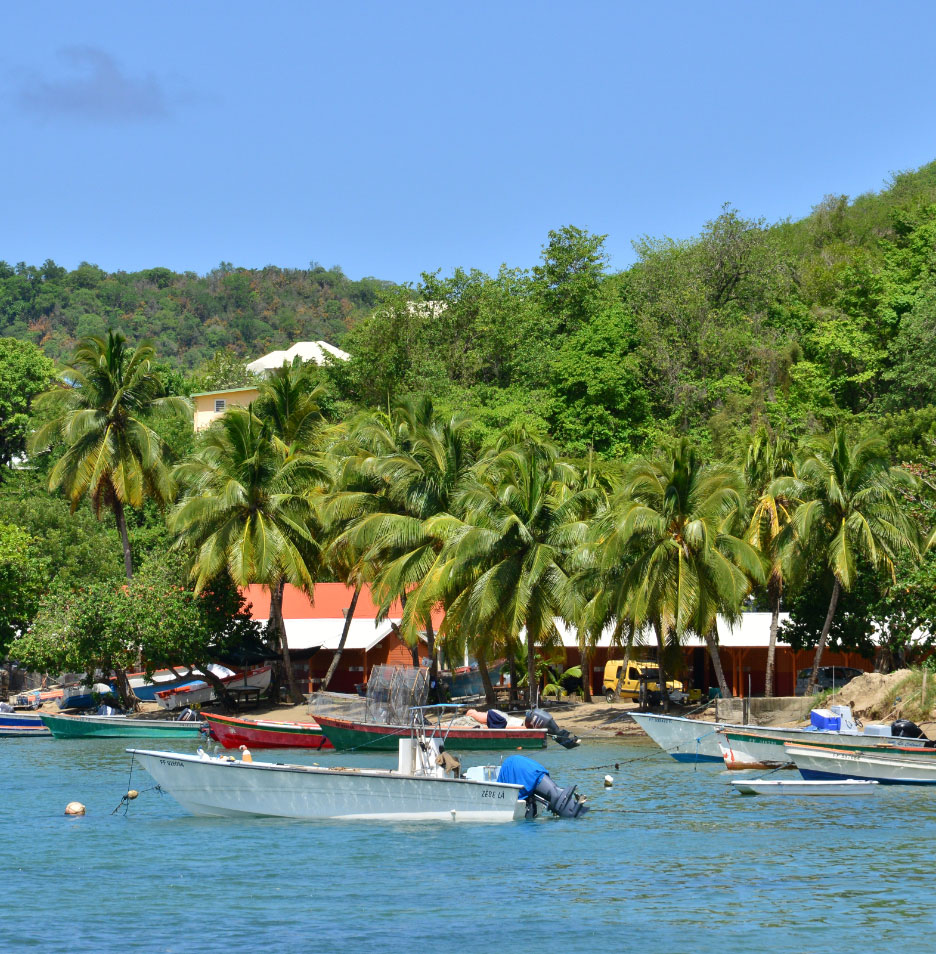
796 326
189 317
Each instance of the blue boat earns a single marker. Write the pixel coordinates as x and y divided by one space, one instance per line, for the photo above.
22 724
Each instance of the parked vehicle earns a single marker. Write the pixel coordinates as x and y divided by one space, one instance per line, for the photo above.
830 677
640 671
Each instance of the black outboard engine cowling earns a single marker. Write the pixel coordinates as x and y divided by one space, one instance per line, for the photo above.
905 729
538 719
560 801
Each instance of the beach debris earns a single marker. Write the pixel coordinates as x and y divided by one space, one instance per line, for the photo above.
74 808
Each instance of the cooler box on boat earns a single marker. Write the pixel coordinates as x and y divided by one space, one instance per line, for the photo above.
825 719
881 730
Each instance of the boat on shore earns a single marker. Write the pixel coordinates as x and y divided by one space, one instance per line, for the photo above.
22 724
200 692
233 732
349 734
118 727
888 767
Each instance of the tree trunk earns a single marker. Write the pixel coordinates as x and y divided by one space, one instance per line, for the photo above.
586 676
121 519
433 665
486 680
661 682
716 662
128 697
512 674
823 637
220 689
773 592
277 597
344 637
532 681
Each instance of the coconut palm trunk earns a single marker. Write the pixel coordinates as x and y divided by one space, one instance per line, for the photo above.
586 677
716 663
276 614
121 518
823 638
486 680
336 659
664 694
532 679
773 593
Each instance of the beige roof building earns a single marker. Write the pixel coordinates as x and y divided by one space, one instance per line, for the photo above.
210 405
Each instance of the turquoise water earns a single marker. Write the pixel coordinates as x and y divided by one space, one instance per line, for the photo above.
669 860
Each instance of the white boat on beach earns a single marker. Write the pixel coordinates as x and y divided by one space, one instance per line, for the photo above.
200 692
426 785
887 767
800 786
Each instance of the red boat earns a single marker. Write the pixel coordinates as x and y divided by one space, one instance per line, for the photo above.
263 734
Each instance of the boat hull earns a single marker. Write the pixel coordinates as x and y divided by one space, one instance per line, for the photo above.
257 734
686 740
199 692
345 734
750 748
819 762
118 727
210 786
22 724
790 787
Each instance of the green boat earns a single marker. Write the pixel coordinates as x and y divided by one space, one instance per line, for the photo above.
118 727
346 734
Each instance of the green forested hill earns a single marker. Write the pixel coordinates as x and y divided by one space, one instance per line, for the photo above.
796 325
188 316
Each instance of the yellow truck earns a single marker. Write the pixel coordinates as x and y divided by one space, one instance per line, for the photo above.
638 670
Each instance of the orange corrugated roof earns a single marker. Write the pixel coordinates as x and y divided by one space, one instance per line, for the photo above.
330 602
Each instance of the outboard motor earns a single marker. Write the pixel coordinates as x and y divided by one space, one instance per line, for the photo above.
905 729
560 801
536 787
538 719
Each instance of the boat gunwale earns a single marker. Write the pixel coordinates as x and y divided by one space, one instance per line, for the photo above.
451 732
221 762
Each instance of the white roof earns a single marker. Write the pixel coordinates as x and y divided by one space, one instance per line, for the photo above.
317 351
326 633
753 630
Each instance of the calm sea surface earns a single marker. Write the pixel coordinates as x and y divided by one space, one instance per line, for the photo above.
668 860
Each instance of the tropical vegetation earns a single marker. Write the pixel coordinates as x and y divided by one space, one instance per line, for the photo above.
744 419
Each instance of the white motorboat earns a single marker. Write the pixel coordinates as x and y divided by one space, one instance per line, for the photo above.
692 740
889 767
421 788
753 747
800 786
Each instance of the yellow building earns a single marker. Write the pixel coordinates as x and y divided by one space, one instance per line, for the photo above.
210 405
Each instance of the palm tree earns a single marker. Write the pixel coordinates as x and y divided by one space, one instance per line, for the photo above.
767 459
501 571
407 468
671 528
246 509
111 454
849 508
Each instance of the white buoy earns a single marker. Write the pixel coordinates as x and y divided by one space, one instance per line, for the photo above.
74 808
132 793
609 781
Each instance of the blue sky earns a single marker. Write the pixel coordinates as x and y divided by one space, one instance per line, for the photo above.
393 138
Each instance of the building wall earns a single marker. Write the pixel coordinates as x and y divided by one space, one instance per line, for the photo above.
205 411
738 664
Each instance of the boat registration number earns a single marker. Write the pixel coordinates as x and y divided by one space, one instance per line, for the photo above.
492 793
175 763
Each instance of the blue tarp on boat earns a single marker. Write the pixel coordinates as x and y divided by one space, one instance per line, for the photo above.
519 770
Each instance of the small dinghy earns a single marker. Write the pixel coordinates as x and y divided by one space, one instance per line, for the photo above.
799 786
